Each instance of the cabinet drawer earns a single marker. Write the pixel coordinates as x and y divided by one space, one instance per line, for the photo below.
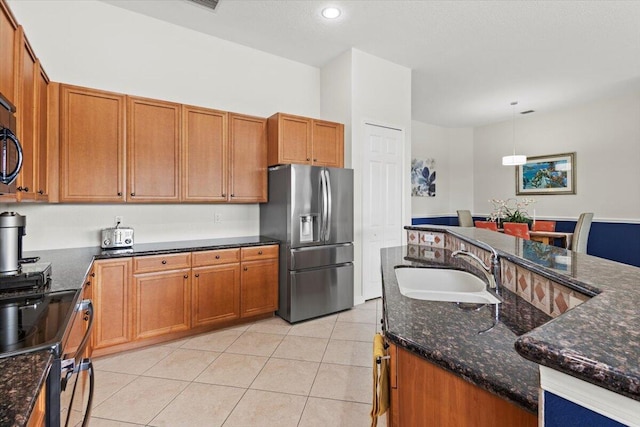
220 256
146 264
259 252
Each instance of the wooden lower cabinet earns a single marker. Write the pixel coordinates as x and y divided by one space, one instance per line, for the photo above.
423 394
149 299
36 419
162 303
259 287
215 294
111 294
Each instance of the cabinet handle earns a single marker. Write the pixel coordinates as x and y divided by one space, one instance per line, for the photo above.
164 261
25 189
119 193
259 252
246 269
186 276
197 275
217 256
41 192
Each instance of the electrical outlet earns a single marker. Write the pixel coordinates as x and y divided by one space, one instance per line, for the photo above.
118 219
217 217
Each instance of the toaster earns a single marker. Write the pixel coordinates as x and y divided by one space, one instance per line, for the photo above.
117 237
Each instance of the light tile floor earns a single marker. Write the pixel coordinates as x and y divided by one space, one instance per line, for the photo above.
267 373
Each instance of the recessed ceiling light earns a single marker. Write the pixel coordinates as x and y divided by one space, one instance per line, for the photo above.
331 12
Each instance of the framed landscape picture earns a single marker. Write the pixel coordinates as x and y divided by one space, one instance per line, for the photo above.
553 174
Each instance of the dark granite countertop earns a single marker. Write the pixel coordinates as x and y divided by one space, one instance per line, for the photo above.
23 375
597 341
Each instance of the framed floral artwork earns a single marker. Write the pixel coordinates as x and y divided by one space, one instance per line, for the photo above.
553 174
423 177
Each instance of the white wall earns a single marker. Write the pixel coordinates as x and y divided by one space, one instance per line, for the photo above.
90 43
606 138
452 150
380 93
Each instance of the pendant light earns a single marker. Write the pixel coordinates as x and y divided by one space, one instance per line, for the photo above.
515 159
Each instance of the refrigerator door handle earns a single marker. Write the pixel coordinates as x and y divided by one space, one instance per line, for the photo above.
328 220
325 201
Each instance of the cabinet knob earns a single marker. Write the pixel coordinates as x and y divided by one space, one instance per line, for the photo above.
259 252
197 275
315 160
25 189
246 269
93 274
41 192
233 195
217 256
308 158
224 195
186 276
119 193
133 194
88 283
164 261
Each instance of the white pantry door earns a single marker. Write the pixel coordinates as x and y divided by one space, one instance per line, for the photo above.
381 201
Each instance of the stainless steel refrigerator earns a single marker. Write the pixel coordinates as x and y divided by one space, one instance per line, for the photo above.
310 210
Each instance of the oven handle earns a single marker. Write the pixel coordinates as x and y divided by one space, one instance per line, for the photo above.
85 304
84 365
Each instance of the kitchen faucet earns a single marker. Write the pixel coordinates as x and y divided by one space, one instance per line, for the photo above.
488 270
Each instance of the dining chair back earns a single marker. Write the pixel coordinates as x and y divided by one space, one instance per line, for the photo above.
489 225
543 226
581 232
465 219
518 229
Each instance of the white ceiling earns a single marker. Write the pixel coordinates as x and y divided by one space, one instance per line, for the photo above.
469 59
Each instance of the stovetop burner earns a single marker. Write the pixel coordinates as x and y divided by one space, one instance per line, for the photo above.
35 276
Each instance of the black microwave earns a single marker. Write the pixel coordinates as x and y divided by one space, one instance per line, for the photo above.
10 148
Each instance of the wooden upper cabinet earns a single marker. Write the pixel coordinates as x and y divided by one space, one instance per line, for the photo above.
289 139
248 170
92 143
302 140
8 30
42 134
26 67
153 153
205 162
328 144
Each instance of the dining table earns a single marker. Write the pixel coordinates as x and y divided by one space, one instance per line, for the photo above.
549 237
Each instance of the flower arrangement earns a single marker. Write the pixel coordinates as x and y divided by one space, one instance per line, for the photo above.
510 210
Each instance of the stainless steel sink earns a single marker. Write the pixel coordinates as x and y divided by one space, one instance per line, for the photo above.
439 284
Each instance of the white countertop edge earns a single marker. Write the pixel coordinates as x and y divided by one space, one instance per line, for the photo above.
605 402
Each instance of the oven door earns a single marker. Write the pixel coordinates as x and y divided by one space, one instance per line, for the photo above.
70 383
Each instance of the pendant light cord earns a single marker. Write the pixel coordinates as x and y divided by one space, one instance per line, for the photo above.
513 104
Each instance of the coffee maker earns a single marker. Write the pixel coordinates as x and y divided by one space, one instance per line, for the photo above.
15 271
12 229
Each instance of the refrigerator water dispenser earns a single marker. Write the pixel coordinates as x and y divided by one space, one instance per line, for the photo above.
307 225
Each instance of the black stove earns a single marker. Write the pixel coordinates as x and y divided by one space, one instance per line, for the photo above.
34 276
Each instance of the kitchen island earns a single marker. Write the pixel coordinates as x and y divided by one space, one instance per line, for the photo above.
593 338
23 375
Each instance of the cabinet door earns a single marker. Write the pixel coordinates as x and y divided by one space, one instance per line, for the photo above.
162 303
111 295
204 155
248 159
259 287
91 145
215 294
25 116
289 139
328 144
153 140
42 134
8 29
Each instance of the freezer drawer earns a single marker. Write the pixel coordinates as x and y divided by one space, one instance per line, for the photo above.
317 292
320 256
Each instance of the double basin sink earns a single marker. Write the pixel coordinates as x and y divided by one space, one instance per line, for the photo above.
440 284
